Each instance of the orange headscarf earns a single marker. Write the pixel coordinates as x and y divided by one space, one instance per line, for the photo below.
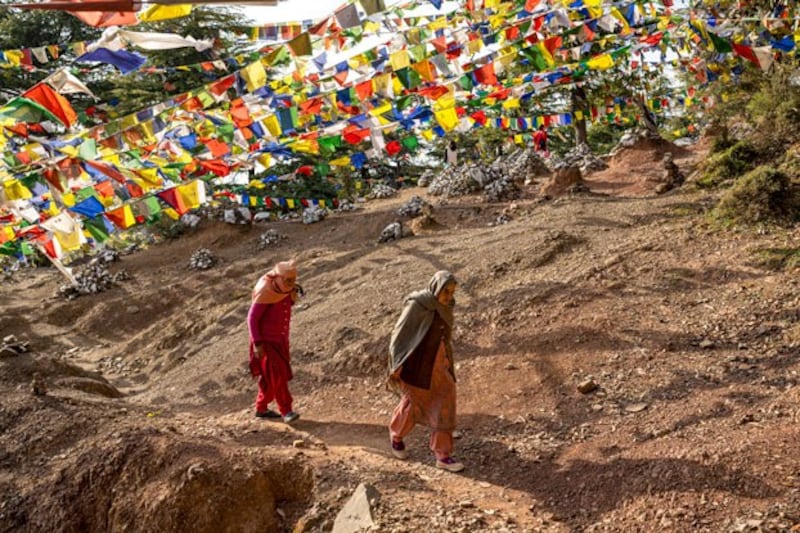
270 288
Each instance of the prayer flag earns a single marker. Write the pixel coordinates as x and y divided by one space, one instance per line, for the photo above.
53 102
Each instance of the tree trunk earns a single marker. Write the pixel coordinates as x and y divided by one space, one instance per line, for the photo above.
579 103
647 117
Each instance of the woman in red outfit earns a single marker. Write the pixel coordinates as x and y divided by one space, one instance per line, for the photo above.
268 321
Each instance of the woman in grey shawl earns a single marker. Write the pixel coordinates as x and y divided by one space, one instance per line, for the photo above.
421 367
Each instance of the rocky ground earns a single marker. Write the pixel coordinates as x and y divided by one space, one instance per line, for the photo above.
131 408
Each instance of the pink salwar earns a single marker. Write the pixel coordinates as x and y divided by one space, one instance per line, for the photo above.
434 407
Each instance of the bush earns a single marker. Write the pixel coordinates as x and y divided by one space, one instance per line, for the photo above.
764 195
603 137
729 164
779 259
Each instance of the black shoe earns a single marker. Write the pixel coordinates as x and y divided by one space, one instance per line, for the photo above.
269 413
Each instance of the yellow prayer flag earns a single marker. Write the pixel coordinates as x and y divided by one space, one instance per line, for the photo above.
14 57
151 175
438 24
290 203
171 213
601 62
265 160
15 190
446 101
511 103
273 125
70 241
254 75
128 122
305 146
164 12
397 85
189 194
447 119
341 161
473 47
383 85
399 59
9 232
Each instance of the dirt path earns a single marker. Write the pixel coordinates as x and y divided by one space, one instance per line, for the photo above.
692 343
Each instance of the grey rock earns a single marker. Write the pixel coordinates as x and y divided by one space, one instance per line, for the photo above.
357 512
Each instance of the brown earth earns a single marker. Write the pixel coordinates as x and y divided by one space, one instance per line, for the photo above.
693 343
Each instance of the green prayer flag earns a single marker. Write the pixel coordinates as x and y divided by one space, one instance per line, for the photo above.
410 142
225 132
96 228
466 82
418 52
301 45
722 46
323 169
403 102
328 145
409 77
10 248
85 193
373 6
88 150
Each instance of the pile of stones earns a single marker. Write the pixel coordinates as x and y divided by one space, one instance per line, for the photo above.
269 238
202 259
392 232
346 205
457 181
502 190
92 279
582 157
379 190
314 214
413 208
525 165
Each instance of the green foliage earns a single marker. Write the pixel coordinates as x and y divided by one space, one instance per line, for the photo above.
763 196
603 136
774 110
29 29
722 142
779 259
139 90
482 144
729 164
302 187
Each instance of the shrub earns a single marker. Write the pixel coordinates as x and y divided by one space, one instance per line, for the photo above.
763 195
729 164
603 137
779 258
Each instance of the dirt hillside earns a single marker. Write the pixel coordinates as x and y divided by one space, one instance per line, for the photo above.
692 342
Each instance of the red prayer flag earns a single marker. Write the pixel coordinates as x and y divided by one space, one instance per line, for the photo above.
746 52
59 106
393 148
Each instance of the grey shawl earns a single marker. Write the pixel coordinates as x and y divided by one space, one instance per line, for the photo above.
417 317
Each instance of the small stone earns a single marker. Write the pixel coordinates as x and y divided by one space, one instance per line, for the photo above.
299 443
587 386
466 504
636 407
706 344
